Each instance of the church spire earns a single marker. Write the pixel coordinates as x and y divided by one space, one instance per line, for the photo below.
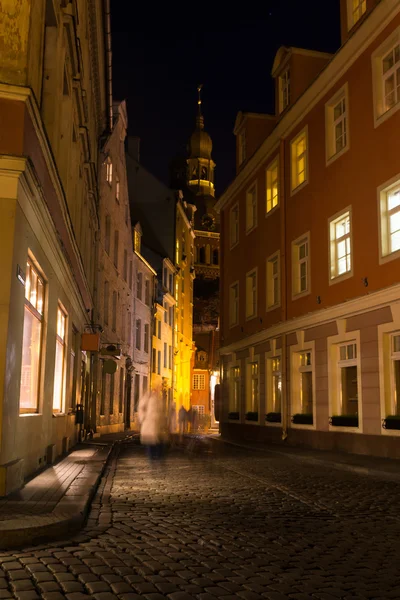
200 118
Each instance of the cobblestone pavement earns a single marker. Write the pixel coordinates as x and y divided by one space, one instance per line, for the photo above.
237 525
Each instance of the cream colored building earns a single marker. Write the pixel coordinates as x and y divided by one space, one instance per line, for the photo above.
53 109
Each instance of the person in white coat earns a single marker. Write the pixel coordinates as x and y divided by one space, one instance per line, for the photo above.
153 423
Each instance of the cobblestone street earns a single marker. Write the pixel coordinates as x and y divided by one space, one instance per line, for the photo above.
238 524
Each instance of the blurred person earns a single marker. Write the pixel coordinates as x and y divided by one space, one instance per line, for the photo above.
182 419
153 423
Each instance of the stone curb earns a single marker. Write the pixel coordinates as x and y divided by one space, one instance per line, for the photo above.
353 468
67 517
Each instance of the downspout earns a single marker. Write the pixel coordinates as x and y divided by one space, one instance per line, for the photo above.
284 397
108 57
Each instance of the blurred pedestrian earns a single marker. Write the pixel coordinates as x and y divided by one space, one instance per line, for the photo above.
182 419
195 420
153 423
190 419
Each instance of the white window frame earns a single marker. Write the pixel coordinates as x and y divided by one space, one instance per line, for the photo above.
383 192
272 200
235 384
387 356
199 382
295 183
334 275
334 375
342 95
233 322
284 89
381 114
273 280
109 171
254 292
251 207
61 352
295 379
361 8
252 406
297 292
273 355
234 225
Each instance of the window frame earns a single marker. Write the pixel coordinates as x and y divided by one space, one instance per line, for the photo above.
61 345
274 354
380 113
382 197
284 89
295 186
268 186
252 188
200 379
235 385
331 154
334 276
270 276
296 262
252 404
248 274
351 21
296 381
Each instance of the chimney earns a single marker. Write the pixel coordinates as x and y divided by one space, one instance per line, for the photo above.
134 147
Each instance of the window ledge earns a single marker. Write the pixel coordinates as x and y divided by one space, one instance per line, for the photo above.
248 231
300 295
234 245
251 318
60 414
273 307
270 212
381 118
299 187
389 257
32 414
341 428
339 278
303 426
331 159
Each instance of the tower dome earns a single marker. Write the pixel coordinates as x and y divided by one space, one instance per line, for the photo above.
200 144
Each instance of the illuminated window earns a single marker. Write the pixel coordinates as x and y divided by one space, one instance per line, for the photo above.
32 340
336 124
274 384
390 220
59 369
234 225
272 186
117 188
109 171
199 381
241 147
137 240
234 396
386 77
199 408
356 9
340 245
251 208
284 90
299 155
252 395
251 294
300 264
306 385
391 77
395 372
234 304
139 285
273 281
138 334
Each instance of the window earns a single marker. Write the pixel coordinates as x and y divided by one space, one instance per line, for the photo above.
395 375
154 361
356 9
274 384
159 362
166 313
125 266
215 257
336 124
273 281
106 301
389 208
340 245
121 390
137 241
117 188
116 244
139 282
171 316
284 90
299 160
199 381
347 364
114 311
109 170
234 304
234 225
159 330
32 340
251 294
165 355
199 408
300 265
146 337
111 396
242 148
234 396
147 292
138 334
272 186
391 77
252 396
302 383
251 208
170 357
107 235
59 368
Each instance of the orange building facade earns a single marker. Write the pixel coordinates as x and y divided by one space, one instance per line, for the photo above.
310 248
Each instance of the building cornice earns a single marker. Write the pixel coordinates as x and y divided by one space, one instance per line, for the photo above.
363 37
350 308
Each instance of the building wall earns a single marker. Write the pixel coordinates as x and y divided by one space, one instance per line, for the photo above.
354 178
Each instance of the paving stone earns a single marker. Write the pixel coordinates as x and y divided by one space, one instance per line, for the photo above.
121 587
28 595
22 585
52 596
71 586
5 594
105 596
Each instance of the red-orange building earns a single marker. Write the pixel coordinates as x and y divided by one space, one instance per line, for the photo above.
310 248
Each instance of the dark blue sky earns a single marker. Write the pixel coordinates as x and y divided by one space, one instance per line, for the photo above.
160 55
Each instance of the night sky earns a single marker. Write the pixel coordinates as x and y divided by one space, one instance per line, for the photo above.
161 55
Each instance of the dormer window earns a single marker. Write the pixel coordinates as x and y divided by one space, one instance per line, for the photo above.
137 241
284 90
242 147
109 170
356 9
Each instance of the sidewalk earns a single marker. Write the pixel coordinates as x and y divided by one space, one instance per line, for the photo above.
383 468
58 499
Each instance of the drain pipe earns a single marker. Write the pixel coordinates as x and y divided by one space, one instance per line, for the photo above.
108 57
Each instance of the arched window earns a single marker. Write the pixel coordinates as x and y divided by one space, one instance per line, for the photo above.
208 254
202 255
215 256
